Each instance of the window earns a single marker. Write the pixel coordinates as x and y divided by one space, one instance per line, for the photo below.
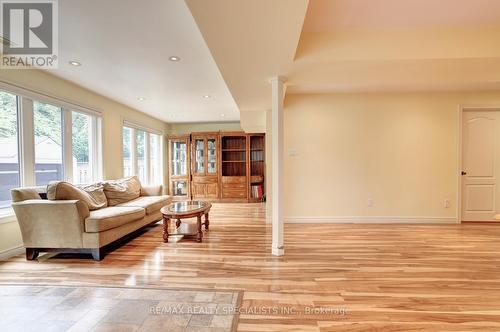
154 157
84 168
59 141
9 153
142 154
127 151
48 143
141 162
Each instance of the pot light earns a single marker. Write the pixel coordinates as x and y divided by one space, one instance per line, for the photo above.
174 58
141 98
75 63
206 96
222 115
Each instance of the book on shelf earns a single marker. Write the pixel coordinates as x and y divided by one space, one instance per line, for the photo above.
257 191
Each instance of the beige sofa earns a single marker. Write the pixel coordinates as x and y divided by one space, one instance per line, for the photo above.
69 226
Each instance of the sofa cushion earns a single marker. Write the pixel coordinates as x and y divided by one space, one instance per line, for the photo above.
96 191
122 190
60 190
151 190
23 194
111 217
151 204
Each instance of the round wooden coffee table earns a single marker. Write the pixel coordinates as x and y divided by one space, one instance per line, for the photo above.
183 210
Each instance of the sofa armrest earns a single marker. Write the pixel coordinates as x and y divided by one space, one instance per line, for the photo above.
51 224
154 190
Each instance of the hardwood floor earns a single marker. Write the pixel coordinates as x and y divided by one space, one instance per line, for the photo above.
386 277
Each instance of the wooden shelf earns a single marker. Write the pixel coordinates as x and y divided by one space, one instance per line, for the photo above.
233 159
256 168
239 166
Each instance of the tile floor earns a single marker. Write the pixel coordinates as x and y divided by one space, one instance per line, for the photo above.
82 308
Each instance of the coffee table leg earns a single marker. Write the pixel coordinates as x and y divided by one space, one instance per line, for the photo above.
206 221
199 237
165 229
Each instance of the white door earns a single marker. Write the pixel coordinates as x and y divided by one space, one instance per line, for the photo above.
480 165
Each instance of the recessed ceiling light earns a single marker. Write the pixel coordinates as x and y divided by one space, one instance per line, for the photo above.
174 58
141 98
75 63
206 96
222 115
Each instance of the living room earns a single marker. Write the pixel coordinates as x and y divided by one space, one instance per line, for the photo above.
221 165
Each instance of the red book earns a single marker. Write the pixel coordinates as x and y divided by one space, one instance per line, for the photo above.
259 191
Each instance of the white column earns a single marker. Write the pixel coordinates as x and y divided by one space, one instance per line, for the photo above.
277 165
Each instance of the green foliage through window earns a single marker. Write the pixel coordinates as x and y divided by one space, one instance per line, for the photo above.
8 118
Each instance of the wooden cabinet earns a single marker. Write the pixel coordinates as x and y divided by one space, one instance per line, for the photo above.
234 164
205 165
179 167
226 166
256 167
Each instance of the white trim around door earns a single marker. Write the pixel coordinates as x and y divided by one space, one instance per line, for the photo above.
461 110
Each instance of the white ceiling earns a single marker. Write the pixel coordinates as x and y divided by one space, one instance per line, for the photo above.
124 46
351 45
343 46
328 15
398 45
251 41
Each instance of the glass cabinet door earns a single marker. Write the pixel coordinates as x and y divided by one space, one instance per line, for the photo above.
179 188
211 156
199 160
179 158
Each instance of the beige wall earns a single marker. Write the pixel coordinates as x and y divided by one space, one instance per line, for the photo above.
113 114
10 235
400 150
253 121
187 128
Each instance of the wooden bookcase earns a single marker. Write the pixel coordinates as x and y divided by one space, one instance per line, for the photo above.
225 166
234 166
256 167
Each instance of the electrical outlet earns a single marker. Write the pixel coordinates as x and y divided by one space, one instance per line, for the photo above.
446 204
369 202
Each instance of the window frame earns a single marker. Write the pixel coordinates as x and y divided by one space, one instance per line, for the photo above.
147 149
64 170
26 137
94 146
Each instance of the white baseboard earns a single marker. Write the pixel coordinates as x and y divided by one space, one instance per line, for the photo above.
6 254
371 220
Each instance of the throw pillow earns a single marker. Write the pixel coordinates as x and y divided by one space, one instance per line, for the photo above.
122 190
60 190
96 191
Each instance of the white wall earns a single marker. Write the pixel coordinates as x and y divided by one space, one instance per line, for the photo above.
398 149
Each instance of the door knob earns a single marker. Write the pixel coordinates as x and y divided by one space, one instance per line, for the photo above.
464 173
